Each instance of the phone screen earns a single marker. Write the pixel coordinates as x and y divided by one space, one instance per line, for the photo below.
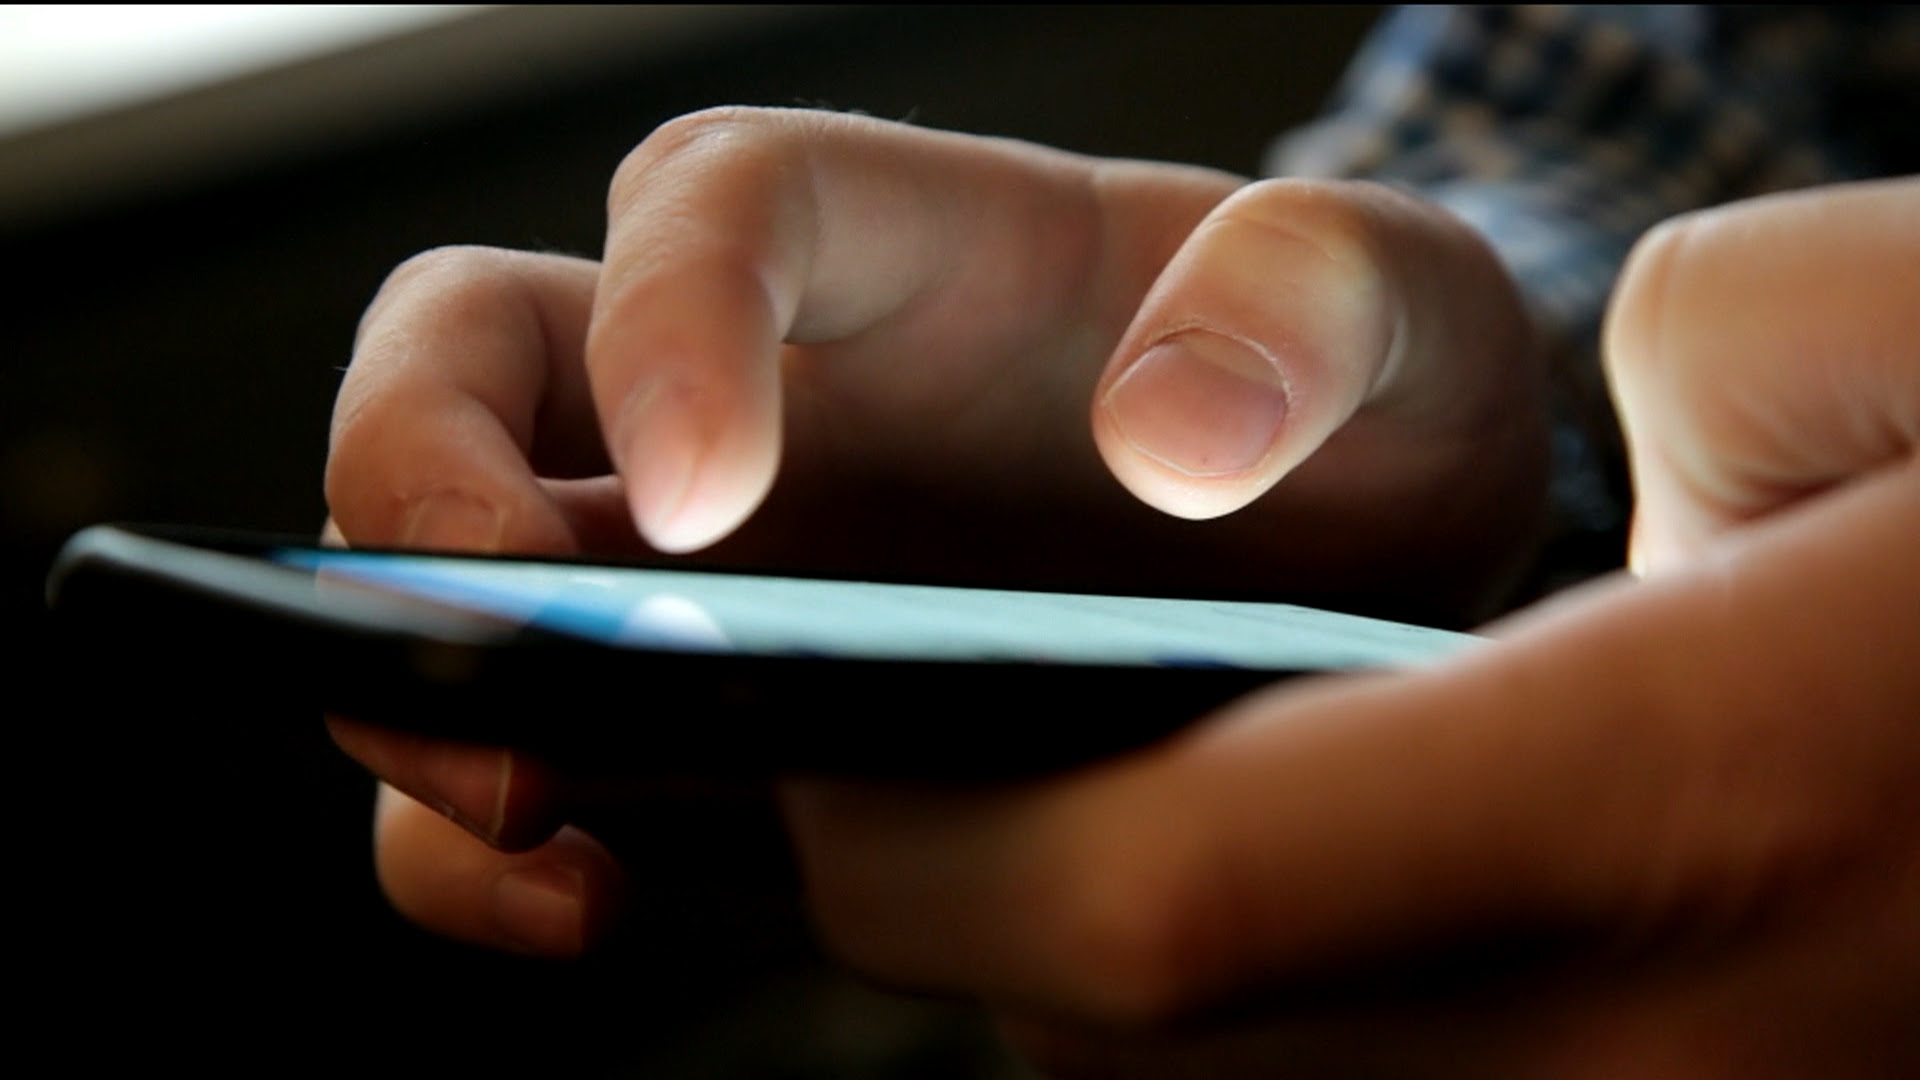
704 612
710 673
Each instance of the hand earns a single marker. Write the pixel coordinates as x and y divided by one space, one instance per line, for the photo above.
913 328
1660 829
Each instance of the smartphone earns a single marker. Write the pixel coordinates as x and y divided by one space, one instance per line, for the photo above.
663 669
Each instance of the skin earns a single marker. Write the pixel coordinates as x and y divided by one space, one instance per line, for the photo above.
1667 827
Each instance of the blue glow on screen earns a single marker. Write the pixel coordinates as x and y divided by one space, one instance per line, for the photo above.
690 611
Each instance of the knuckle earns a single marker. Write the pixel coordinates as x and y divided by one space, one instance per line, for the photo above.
1083 918
434 266
698 140
1637 328
460 281
1126 923
439 293
1324 216
450 260
1131 954
1111 953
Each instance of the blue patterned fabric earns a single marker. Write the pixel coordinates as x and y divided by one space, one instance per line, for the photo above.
1563 133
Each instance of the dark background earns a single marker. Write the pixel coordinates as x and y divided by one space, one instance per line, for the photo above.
192 854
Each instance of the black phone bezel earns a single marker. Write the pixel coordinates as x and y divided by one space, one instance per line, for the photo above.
207 601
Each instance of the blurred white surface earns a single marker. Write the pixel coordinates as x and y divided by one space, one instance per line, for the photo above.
60 62
103 104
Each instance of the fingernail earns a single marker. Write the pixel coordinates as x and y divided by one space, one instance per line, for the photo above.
452 522
658 468
540 909
472 793
1200 403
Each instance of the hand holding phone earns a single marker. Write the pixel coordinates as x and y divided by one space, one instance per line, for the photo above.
901 353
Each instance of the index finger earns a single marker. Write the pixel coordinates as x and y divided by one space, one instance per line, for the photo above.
735 232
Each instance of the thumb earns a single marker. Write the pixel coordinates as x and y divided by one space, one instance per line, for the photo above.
1634 767
1763 352
1292 306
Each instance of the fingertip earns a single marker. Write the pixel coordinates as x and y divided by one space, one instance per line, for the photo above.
699 508
1262 337
1202 404
705 510
502 798
453 521
688 484
1657 546
1166 490
558 901
1194 426
454 481
541 909
555 901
